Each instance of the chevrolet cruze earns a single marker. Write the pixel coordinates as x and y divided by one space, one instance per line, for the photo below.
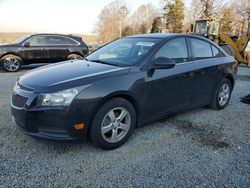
123 85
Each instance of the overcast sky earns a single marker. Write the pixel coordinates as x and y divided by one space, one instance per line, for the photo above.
60 16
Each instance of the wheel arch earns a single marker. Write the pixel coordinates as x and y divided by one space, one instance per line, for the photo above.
231 79
123 95
11 53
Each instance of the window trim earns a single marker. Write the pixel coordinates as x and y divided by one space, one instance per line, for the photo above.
77 43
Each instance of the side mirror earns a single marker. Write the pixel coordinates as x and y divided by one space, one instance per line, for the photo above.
163 63
26 44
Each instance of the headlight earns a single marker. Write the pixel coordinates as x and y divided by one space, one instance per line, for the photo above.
61 98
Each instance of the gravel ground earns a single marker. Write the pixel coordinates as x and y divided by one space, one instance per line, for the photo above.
200 148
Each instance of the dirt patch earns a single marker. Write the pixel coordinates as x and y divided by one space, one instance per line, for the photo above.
202 135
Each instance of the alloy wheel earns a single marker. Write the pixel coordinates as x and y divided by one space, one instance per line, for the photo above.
224 94
11 64
116 124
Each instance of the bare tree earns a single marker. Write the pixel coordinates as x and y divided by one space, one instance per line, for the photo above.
242 18
111 20
142 19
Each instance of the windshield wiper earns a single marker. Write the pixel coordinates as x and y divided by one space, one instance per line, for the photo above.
100 61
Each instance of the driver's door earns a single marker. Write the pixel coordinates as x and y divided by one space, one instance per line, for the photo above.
37 51
170 89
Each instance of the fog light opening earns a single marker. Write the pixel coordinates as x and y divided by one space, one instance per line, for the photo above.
79 126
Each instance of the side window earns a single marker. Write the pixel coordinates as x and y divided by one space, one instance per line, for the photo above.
176 49
202 49
216 52
37 41
69 41
54 40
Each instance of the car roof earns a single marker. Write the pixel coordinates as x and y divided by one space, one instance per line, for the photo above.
54 34
169 35
164 35
152 35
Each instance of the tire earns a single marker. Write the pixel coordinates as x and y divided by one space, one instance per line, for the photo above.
230 51
108 131
75 57
11 63
222 96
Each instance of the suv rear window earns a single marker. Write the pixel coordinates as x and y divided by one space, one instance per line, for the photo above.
55 40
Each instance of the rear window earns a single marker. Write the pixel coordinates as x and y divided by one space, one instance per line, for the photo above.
56 40
202 49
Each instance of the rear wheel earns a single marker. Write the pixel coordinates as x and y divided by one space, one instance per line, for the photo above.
75 57
230 51
11 63
222 95
113 124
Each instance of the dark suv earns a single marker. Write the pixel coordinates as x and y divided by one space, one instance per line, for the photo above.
41 48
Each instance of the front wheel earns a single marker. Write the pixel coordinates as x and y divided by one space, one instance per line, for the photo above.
11 63
113 124
222 95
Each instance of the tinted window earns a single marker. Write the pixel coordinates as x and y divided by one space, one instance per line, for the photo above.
70 41
176 49
216 52
59 40
37 41
202 49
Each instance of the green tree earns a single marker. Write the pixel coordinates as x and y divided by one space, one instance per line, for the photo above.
157 26
174 15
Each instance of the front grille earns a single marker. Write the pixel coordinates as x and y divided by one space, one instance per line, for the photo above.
19 101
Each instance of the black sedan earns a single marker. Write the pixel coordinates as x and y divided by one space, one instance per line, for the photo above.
41 48
125 84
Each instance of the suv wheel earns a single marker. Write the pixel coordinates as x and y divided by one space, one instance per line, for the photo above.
11 63
75 57
222 95
113 124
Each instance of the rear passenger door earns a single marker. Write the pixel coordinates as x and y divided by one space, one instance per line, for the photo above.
58 48
206 58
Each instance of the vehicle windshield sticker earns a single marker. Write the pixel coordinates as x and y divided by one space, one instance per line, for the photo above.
144 44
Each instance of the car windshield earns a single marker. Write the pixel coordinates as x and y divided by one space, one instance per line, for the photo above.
123 52
21 39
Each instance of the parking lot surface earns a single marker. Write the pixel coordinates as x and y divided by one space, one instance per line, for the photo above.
199 148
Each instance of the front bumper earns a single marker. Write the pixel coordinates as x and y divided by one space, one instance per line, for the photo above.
53 123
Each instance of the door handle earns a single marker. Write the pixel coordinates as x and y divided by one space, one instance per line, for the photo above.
189 74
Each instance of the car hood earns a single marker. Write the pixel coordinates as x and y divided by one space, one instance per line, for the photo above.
67 75
7 45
